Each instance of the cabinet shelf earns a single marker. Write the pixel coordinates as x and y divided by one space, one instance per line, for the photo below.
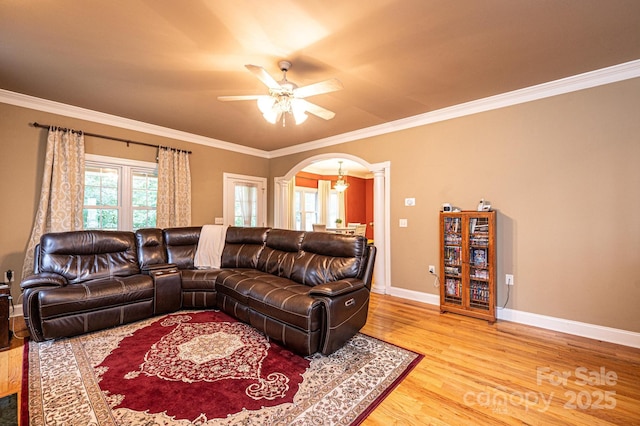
467 259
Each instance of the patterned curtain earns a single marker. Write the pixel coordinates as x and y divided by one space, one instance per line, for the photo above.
174 189
62 192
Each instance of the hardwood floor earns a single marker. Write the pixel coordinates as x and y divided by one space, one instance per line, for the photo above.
11 370
474 373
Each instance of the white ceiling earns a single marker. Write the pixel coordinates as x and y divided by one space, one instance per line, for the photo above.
165 62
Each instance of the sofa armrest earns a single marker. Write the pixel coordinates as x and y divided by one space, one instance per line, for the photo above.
337 288
43 279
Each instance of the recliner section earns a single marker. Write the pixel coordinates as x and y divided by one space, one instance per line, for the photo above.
307 290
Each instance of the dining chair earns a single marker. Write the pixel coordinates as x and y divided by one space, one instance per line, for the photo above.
319 227
361 229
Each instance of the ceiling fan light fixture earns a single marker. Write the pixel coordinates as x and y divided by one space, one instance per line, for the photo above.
285 97
271 116
298 111
265 104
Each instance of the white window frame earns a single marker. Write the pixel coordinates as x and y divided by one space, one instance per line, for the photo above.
126 167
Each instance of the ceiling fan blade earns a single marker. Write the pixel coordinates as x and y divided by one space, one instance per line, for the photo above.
239 98
317 110
263 76
326 86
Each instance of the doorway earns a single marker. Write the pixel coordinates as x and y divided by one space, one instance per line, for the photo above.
244 200
283 194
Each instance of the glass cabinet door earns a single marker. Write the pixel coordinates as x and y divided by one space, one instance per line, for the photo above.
453 260
479 259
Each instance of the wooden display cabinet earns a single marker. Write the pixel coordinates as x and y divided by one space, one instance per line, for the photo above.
468 264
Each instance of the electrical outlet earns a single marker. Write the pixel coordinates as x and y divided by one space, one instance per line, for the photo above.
432 269
509 279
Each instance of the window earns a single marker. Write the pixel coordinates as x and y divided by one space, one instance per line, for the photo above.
306 208
119 194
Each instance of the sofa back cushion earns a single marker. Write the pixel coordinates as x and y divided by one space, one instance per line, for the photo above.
85 255
326 257
281 249
243 247
181 244
151 249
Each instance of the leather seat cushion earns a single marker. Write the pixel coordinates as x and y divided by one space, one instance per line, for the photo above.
275 297
199 279
95 295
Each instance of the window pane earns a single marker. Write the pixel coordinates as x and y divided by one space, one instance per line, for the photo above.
310 202
139 198
310 219
246 205
139 182
92 178
144 219
100 218
91 195
109 197
109 178
109 218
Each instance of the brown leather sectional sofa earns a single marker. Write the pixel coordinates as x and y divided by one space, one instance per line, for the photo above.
307 290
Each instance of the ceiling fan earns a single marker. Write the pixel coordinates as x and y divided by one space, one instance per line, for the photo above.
286 97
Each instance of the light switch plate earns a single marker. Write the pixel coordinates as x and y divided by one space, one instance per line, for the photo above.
403 223
218 221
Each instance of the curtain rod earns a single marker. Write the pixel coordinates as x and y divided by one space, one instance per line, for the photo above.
95 135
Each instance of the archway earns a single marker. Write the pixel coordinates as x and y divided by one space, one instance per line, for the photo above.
381 209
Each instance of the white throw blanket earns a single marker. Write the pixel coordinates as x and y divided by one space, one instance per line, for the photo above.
210 245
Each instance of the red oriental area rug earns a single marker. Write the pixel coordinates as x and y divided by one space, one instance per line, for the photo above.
205 368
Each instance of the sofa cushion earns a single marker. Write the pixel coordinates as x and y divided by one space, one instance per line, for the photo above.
243 247
80 256
275 297
326 257
199 279
94 295
151 250
281 249
181 244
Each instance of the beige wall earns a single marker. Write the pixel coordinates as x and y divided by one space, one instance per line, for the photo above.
22 149
564 175
562 172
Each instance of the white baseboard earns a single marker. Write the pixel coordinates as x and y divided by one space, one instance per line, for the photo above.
591 331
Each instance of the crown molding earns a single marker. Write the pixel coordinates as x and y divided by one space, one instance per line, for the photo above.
613 74
58 108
